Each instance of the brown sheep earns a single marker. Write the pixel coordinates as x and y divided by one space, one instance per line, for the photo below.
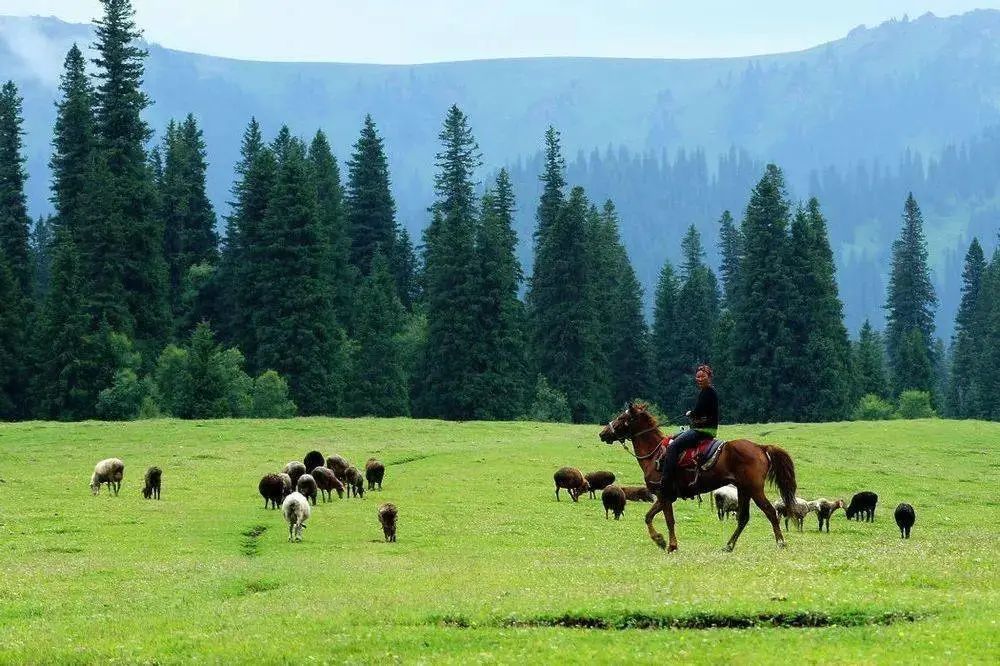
338 465
312 460
306 486
327 482
152 479
638 494
374 473
272 489
354 481
287 480
572 480
387 517
824 508
613 498
294 470
598 481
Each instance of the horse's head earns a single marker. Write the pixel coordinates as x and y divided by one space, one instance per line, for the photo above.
636 418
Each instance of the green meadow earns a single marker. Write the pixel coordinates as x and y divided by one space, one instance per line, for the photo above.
488 568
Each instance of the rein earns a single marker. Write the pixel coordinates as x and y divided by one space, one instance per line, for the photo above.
632 436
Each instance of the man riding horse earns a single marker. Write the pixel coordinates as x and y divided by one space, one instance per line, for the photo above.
704 419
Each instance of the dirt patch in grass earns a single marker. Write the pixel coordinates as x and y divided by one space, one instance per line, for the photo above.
64 549
255 586
408 459
250 539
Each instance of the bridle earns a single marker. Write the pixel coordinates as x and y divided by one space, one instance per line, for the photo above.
632 436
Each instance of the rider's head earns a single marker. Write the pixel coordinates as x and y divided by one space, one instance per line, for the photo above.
703 376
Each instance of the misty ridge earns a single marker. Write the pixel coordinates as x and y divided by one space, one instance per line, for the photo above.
909 105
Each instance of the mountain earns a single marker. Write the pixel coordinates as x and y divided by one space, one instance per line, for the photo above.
673 141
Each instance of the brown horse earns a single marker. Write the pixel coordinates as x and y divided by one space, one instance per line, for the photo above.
743 463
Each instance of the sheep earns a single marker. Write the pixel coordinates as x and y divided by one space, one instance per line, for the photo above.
152 479
338 465
726 501
572 479
287 481
109 471
272 489
312 460
797 512
294 470
598 481
862 506
638 494
296 510
824 508
374 473
387 517
306 485
354 481
327 482
905 517
613 498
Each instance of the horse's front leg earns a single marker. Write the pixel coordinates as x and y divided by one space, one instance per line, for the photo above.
653 534
668 513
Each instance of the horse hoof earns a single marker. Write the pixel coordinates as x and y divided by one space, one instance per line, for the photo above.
659 540
781 544
672 548
728 548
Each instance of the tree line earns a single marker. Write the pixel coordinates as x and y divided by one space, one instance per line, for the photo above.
126 303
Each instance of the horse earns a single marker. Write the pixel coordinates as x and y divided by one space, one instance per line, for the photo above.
741 462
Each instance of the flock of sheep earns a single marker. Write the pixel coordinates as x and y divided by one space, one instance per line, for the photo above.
725 500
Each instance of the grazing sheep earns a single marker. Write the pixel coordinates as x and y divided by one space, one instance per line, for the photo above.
726 501
152 479
327 482
294 470
312 460
272 489
824 508
338 465
109 471
613 498
296 511
598 481
354 481
571 479
796 512
638 494
306 485
374 473
905 517
287 480
862 506
387 516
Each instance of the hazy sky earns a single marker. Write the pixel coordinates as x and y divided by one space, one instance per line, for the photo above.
411 31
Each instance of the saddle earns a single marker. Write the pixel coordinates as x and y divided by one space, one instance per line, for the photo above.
700 458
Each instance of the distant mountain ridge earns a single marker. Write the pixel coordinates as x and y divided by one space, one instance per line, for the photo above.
917 85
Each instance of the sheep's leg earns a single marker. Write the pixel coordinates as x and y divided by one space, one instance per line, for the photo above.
742 518
668 513
557 494
760 499
653 534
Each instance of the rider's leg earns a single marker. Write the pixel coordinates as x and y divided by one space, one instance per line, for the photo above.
681 441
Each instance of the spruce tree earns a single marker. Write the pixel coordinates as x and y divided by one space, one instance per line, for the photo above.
453 333
329 196
12 367
985 389
378 385
869 364
72 144
731 251
14 221
371 210
964 340
41 256
666 388
404 267
910 304
553 177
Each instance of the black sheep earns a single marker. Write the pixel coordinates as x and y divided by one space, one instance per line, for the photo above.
862 506
598 481
312 460
355 482
306 485
905 517
152 487
374 473
613 498
294 470
387 517
272 489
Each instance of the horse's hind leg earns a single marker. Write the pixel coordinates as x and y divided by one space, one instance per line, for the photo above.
764 504
653 534
668 513
742 517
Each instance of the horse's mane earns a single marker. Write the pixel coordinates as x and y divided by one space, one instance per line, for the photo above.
643 408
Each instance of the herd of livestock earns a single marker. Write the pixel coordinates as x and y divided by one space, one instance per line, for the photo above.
725 500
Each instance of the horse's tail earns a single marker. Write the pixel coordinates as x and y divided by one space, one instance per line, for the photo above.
781 472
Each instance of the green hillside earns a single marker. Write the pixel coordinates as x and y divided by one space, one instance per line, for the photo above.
487 561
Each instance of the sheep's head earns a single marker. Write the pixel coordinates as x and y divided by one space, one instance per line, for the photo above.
95 485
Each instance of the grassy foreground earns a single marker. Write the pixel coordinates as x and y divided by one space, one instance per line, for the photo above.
488 567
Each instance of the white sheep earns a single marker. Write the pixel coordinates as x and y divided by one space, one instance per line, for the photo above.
109 471
296 511
797 512
726 500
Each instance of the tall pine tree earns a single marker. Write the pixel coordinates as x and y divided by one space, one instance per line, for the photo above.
14 221
329 196
869 364
371 210
964 352
985 389
666 387
731 251
73 144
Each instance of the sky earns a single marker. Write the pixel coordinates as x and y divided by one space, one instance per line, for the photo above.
417 31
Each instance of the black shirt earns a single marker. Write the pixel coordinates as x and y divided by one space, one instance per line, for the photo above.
706 411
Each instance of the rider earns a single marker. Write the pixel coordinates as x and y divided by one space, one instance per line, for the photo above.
704 423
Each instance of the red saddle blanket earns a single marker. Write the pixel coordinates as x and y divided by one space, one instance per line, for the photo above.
706 451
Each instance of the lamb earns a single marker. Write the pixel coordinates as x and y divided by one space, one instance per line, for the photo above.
726 500
572 479
824 508
796 512
287 481
338 465
862 506
355 482
327 482
613 498
638 494
272 489
152 479
598 481
109 471
296 511
294 470
313 460
306 486
387 517
374 473
905 517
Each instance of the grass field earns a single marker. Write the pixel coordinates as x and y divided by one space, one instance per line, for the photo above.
488 567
